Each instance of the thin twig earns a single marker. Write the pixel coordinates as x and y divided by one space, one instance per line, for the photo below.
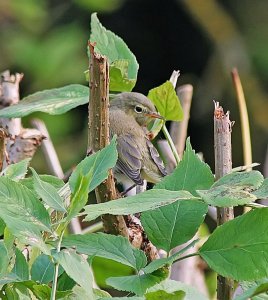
223 166
48 148
56 270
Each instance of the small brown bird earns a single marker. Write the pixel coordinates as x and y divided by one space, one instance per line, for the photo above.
138 159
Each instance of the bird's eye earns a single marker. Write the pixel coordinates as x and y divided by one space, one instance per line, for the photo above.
138 109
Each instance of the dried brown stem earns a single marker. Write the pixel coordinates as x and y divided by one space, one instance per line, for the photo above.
98 133
223 166
20 143
178 130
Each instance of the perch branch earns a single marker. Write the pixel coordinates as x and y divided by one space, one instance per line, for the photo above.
223 166
98 133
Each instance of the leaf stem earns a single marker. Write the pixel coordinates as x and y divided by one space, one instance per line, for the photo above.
186 256
56 270
171 144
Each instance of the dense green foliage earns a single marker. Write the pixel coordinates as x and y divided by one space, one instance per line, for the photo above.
34 213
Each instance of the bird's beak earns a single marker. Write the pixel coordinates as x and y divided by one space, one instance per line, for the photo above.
154 115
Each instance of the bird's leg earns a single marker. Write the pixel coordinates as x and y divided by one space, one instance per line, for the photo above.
128 189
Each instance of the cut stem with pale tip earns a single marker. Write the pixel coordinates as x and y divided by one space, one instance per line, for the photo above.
223 166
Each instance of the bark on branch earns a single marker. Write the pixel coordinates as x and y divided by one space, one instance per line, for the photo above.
98 133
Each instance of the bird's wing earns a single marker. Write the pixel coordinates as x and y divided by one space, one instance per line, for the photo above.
156 157
129 158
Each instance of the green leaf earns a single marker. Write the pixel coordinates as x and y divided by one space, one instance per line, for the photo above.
137 284
151 199
171 286
191 174
99 264
174 224
42 291
17 291
117 248
254 291
42 269
77 268
21 269
112 46
166 101
98 163
17 171
244 239
4 259
56 182
262 191
226 196
119 81
80 196
160 294
55 101
167 261
48 193
23 213
99 294
250 180
123 298
2 226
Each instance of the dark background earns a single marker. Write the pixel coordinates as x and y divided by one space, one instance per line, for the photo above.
46 40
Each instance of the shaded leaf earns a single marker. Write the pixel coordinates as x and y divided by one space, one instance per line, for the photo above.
229 247
174 224
137 284
55 101
166 101
117 248
151 199
77 268
20 269
42 269
4 259
167 261
160 294
226 196
48 193
16 171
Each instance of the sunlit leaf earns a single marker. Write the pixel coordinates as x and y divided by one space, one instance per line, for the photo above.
55 101
166 101
117 248
229 247
148 200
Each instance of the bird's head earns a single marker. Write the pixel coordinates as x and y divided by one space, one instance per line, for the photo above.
137 106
